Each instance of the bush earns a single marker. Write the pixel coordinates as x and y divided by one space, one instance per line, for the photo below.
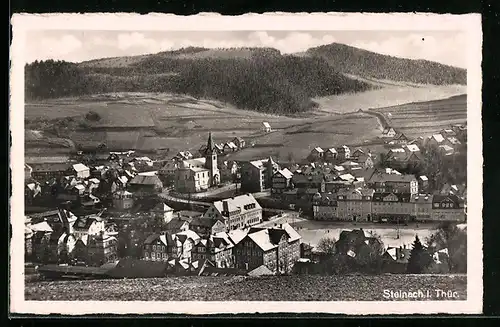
92 116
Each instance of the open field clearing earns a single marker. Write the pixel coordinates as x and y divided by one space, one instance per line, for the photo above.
390 95
266 288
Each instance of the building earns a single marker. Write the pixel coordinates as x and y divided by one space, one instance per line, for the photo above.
236 212
163 212
80 171
143 186
343 153
282 181
330 155
230 147
192 180
256 176
435 140
422 207
399 139
101 249
383 182
176 225
206 226
448 208
423 183
45 171
409 148
266 127
357 153
355 205
389 132
365 160
239 142
391 207
88 225
123 200
316 154
446 150
218 249
158 247
277 248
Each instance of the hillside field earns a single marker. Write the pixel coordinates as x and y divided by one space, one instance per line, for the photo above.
265 288
425 118
149 122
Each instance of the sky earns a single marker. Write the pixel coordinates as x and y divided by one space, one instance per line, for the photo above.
445 47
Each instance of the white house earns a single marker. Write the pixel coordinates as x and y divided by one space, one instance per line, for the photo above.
266 127
81 171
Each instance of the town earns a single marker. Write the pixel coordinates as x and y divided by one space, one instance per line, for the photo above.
101 213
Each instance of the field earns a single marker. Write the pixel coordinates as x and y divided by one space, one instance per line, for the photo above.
149 122
266 288
424 118
313 230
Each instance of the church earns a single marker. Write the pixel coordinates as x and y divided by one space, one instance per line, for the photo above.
199 174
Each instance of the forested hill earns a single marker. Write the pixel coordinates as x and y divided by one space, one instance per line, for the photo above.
367 64
261 80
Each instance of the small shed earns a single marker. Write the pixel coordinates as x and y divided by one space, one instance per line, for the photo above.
266 127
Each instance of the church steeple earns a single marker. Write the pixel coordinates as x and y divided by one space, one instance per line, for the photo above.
210 144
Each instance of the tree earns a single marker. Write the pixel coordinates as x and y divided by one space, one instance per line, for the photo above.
383 160
449 236
419 258
326 245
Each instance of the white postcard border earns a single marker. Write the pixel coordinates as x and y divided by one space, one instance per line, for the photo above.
470 23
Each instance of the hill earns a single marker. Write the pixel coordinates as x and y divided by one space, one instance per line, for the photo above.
256 79
367 64
266 288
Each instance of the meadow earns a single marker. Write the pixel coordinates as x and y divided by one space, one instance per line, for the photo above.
265 288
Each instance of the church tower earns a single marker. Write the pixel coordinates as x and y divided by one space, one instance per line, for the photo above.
211 161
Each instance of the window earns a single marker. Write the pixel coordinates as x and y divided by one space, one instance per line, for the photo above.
146 255
163 248
154 247
153 256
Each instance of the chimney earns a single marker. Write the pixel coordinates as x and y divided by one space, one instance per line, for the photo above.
225 206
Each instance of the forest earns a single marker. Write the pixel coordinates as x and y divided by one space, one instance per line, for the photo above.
265 82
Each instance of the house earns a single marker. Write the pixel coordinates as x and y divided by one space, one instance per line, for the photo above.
282 181
239 142
448 208
256 176
316 154
446 150
343 153
390 206
101 249
266 127
156 247
452 142
192 180
399 139
357 153
183 155
163 212
236 212
419 141
188 239
230 147
176 225
383 182
218 249
31 191
45 171
423 183
365 160
123 200
88 225
349 164
330 155
27 172
206 226
409 148
447 132
354 205
277 248
389 132
422 207
303 183
435 140
142 185
80 171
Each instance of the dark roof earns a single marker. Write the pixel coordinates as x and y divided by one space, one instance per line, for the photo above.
401 197
441 197
175 224
384 177
85 222
275 235
146 180
205 222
